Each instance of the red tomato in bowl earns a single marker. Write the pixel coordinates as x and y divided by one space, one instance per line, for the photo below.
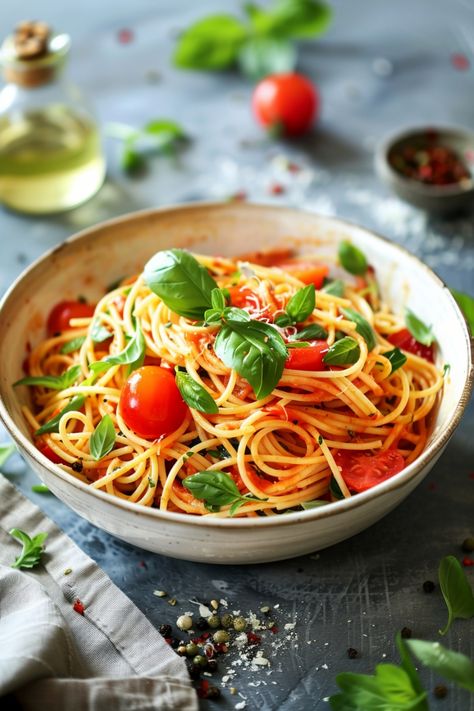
406 342
289 101
62 313
363 470
307 272
309 358
150 402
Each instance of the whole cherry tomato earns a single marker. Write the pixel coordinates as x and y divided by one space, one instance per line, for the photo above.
309 358
62 313
289 102
363 470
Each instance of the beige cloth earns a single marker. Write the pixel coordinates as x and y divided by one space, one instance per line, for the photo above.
51 657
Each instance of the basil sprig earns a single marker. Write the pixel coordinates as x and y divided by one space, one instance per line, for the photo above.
133 355
103 438
363 327
457 592
32 548
217 489
396 357
53 425
343 352
419 330
53 382
451 665
312 332
194 394
299 307
335 287
351 258
73 345
99 333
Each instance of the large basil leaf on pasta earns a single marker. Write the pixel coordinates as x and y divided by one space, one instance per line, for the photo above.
184 285
363 327
53 382
194 394
255 350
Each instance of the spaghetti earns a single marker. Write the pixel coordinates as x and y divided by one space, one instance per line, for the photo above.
347 408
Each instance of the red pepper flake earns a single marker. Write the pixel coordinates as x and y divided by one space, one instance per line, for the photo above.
203 689
78 607
221 648
428 161
125 36
274 629
276 189
467 562
202 638
168 640
253 638
460 61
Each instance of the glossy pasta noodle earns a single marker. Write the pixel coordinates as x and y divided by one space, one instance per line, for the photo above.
327 429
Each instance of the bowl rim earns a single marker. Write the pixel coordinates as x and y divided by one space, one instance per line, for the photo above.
334 508
387 171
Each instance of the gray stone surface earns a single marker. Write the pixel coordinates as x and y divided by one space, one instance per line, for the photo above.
360 592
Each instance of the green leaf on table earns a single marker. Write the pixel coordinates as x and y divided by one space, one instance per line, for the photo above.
297 19
53 382
99 333
73 345
445 662
389 689
103 438
396 357
255 350
363 327
407 663
260 56
346 351
335 287
184 285
194 394
466 304
456 590
420 331
40 489
52 425
351 258
216 489
312 332
6 451
211 43
32 548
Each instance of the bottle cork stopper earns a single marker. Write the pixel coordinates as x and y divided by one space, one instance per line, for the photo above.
30 55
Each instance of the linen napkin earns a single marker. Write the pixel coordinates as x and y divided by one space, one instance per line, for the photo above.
54 657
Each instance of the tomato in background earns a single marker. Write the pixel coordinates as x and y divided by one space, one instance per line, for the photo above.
287 101
363 470
150 402
406 342
307 272
62 313
46 450
309 358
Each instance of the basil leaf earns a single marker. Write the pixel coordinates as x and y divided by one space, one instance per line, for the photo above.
451 665
103 438
335 489
283 320
466 304
99 333
213 487
314 504
219 453
212 316
420 331
313 331
351 258
255 350
390 688
164 128
456 590
6 451
343 352
290 18
53 382
302 304
194 394
211 43
260 56
133 355
32 548
40 489
218 299
396 357
363 327
73 345
407 663
336 287
298 344
183 284
235 314
53 425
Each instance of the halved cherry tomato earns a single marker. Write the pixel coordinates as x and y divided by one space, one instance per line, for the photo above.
363 470
307 272
244 298
62 313
404 340
150 402
46 450
309 358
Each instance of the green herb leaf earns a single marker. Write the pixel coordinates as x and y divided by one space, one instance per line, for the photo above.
466 304
351 258
363 327
6 451
255 350
73 345
335 287
53 425
390 688
194 394
419 330
32 548
290 18
396 357
183 284
103 438
219 453
407 663
260 56
211 43
218 299
312 332
131 160
165 129
302 304
54 382
133 355
343 352
335 489
99 333
314 504
456 590
40 489
451 665
216 489
446 369
298 344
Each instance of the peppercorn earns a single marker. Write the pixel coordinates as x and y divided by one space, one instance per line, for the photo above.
211 665
468 545
181 650
240 623
201 624
192 649
428 586
77 466
165 630
227 620
213 693
184 622
405 632
352 653
214 604
213 621
200 661
440 691
221 636
194 672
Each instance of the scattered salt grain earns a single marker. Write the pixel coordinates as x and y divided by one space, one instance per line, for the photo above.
290 625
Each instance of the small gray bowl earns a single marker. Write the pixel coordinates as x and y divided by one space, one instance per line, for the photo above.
438 199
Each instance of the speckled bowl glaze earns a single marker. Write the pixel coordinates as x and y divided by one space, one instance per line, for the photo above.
96 257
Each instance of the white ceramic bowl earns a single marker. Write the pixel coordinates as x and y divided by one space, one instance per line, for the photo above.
86 263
